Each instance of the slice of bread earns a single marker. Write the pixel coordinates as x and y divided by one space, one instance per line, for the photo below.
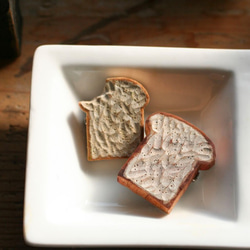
167 160
115 119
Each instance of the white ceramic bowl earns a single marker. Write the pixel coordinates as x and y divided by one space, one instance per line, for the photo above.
70 201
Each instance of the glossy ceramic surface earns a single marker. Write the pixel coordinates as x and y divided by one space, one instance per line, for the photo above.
71 201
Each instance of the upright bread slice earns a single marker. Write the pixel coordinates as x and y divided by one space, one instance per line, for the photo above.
167 160
115 119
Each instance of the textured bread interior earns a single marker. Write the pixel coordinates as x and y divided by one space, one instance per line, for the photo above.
168 159
115 119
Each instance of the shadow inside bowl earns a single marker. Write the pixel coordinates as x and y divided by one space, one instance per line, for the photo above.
204 97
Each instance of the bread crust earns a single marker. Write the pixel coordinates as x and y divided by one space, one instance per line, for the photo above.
88 134
200 165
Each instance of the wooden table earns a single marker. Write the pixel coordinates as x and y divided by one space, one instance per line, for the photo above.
179 23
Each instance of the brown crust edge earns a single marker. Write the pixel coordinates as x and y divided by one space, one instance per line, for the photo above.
146 195
88 119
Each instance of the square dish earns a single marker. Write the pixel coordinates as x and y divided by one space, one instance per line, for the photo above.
72 202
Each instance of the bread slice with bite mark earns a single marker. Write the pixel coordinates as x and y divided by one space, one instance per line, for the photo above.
167 160
115 119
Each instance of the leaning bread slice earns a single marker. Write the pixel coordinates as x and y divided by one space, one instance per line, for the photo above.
115 119
167 160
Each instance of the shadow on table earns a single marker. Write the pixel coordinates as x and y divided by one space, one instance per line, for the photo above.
12 176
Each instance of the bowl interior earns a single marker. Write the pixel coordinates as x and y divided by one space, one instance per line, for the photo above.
203 97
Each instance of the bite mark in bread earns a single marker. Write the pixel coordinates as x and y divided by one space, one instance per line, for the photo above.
115 119
167 160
